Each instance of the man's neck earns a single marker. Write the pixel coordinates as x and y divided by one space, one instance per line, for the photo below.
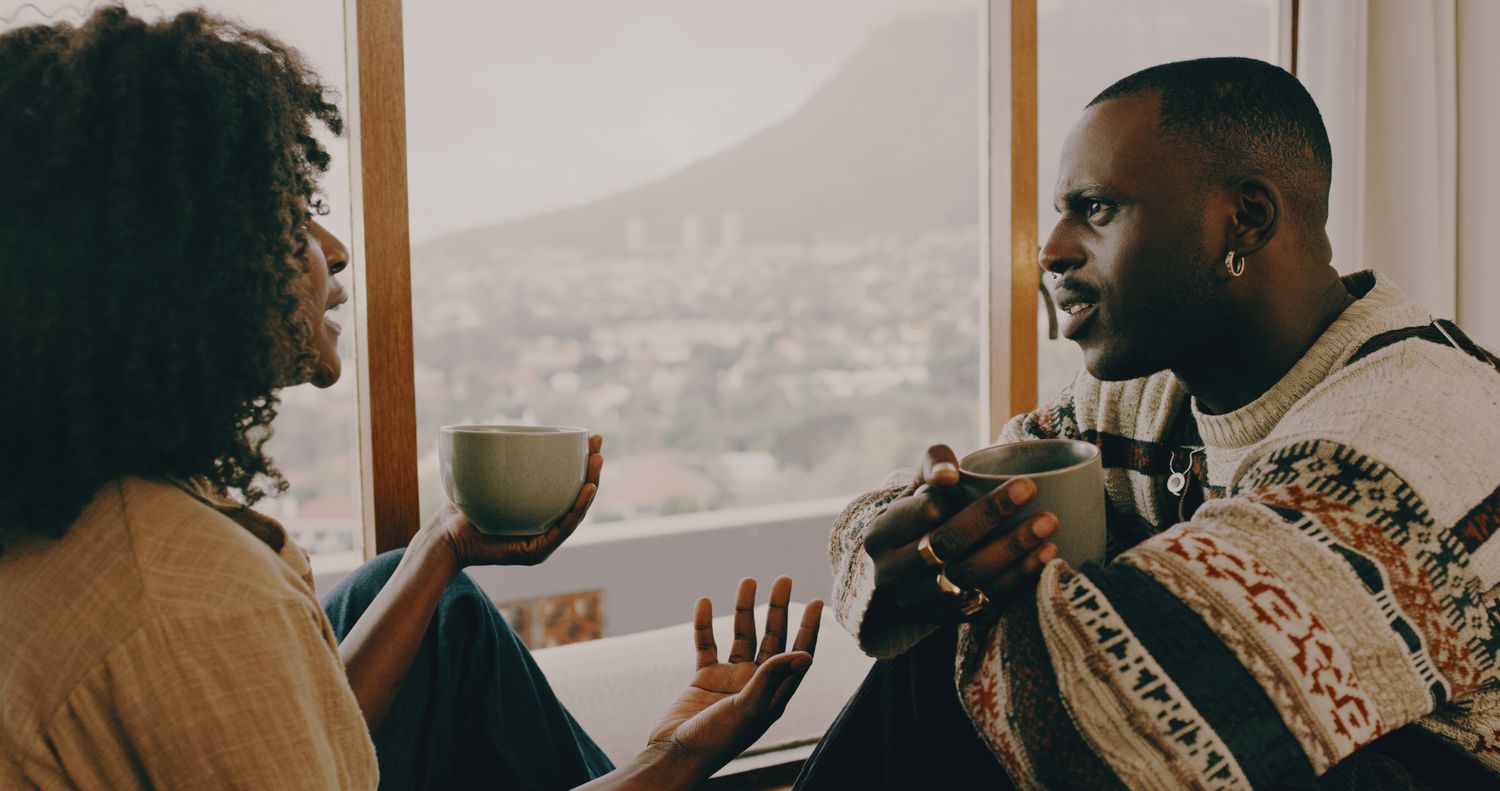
1243 366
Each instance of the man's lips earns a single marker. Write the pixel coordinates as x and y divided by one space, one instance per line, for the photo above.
1079 304
1076 320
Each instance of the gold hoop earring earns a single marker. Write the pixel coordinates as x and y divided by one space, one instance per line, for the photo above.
1235 267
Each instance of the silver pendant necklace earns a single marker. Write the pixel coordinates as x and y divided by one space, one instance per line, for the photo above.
1177 481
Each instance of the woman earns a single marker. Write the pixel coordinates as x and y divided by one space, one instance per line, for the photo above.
161 276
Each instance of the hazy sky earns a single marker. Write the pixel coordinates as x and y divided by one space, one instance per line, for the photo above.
521 106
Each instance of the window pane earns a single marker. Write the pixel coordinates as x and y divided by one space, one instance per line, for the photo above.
315 441
738 240
1083 46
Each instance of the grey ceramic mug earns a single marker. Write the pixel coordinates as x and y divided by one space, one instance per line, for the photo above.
1069 482
513 480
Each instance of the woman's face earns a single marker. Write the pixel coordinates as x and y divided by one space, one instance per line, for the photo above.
319 293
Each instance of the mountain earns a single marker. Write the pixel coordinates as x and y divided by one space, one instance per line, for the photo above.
888 144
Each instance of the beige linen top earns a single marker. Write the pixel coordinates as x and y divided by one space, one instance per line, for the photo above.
161 643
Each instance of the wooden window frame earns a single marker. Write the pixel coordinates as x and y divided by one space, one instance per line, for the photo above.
1288 13
387 394
387 415
1008 213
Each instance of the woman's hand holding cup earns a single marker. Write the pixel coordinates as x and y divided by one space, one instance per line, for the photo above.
473 547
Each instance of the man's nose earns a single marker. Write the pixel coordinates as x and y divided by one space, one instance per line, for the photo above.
1059 253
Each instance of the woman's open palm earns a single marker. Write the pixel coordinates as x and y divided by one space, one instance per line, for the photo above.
729 704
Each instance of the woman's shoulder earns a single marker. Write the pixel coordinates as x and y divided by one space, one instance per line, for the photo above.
192 554
140 549
141 552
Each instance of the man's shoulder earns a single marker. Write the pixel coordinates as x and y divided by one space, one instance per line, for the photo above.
1426 416
1414 386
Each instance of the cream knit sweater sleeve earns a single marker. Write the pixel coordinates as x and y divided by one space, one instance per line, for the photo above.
1344 587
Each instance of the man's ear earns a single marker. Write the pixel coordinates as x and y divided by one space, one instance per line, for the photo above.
1257 214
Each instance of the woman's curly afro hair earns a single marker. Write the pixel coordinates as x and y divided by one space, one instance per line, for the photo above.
155 184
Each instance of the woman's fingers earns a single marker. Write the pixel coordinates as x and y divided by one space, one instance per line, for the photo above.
595 469
773 641
703 633
596 459
807 633
581 504
774 682
744 623
786 687
559 532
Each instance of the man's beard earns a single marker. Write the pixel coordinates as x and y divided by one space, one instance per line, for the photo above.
1180 323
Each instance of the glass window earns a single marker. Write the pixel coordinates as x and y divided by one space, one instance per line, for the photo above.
316 431
739 241
1084 46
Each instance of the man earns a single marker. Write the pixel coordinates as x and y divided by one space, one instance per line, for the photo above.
1316 608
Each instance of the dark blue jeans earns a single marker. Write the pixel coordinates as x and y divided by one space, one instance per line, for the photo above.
475 711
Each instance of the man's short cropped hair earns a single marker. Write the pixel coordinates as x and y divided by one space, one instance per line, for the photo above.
1242 117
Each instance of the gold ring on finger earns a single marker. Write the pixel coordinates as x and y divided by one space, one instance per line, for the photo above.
974 603
929 555
945 585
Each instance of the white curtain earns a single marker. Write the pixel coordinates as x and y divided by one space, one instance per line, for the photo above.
1408 91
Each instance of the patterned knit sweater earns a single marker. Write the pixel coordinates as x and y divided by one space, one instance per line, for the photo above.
1339 581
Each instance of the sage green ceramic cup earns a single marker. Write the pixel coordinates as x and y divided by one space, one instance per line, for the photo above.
513 480
1069 482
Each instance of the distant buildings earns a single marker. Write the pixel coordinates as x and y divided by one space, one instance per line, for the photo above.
738 373
637 235
731 230
692 233
693 236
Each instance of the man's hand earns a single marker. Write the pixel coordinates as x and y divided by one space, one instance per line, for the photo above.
730 704
979 542
470 547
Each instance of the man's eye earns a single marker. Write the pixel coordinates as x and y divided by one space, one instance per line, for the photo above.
1095 207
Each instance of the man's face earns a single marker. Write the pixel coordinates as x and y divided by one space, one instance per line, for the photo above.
1133 244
